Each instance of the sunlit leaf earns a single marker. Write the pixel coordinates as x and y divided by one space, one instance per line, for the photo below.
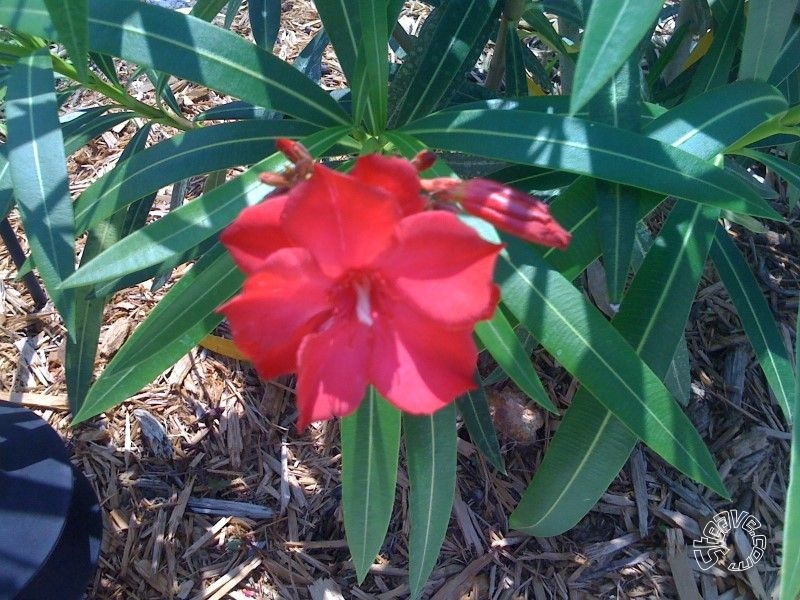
166 40
591 445
613 30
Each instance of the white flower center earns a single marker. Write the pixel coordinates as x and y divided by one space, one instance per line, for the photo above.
363 306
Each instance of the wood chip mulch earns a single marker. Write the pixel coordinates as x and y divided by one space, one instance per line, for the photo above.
209 492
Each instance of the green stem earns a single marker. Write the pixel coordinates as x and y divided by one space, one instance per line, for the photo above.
98 85
512 12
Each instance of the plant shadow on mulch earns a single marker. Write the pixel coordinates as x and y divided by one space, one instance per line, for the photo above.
209 492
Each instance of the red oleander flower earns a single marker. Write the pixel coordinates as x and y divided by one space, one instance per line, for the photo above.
351 283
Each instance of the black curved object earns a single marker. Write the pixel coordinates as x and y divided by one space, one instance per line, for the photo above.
50 525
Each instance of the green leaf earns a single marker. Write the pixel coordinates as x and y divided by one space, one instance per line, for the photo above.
767 24
105 64
177 323
207 9
6 186
613 30
185 155
190 48
372 75
598 355
790 569
545 31
370 447
431 457
618 209
619 105
679 376
786 64
715 67
498 337
589 148
516 75
340 18
448 45
788 170
82 340
83 129
265 21
591 445
474 409
38 168
705 125
757 320
70 19
186 227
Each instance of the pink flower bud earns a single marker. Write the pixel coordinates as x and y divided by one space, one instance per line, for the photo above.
508 209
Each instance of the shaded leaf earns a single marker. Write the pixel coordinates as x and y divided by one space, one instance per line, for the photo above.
35 150
585 344
178 322
430 442
370 447
474 409
757 319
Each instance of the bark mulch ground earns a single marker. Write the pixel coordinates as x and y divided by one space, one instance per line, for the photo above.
209 492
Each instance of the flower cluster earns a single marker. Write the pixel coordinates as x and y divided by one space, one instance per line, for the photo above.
352 282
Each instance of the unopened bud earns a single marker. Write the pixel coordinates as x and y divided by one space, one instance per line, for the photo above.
508 209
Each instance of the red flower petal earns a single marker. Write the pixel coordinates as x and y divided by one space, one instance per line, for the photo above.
280 304
417 365
396 176
332 372
256 233
344 223
443 268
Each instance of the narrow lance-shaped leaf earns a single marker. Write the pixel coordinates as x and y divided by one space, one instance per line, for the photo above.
715 67
767 24
591 444
790 569
499 338
719 118
83 339
431 456
619 105
516 75
587 345
70 19
265 21
581 146
370 448
38 169
474 409
178 322
167 41
757 319
446 49
613 30
180 157
786 169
